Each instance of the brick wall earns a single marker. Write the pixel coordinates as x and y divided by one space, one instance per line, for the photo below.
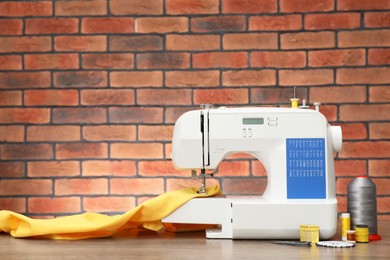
90 90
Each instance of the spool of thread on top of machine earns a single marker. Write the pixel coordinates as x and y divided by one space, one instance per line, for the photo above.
361 204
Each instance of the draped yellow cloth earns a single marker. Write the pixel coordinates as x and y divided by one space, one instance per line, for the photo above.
89 225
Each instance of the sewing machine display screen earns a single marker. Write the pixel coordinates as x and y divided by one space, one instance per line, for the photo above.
306 168
253 121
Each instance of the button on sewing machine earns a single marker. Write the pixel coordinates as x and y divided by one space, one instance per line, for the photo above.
244 132
249 132
272 120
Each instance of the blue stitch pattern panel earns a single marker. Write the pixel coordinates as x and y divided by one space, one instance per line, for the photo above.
306 168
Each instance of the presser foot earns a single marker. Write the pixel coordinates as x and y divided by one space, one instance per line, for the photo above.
203 176
202 188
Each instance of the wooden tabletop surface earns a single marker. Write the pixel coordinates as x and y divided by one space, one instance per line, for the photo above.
188 245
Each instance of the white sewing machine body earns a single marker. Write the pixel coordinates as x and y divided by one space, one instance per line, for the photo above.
296 148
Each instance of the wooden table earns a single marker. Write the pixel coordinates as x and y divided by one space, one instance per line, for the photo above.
190 245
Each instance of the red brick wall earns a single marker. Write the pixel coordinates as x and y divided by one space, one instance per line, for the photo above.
90 90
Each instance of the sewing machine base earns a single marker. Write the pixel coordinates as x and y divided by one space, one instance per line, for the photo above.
256 218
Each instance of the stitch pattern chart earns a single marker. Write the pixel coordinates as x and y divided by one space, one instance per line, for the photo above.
306 168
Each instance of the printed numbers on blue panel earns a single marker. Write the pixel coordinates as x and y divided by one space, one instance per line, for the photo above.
306 168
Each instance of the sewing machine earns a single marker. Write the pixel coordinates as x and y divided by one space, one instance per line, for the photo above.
296 148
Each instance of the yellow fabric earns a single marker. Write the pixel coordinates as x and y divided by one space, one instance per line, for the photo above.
88 225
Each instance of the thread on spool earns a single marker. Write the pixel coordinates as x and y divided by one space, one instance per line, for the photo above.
294 102
361 204
345 225
351 236
362 234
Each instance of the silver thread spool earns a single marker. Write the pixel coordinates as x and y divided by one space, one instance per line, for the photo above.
361 203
